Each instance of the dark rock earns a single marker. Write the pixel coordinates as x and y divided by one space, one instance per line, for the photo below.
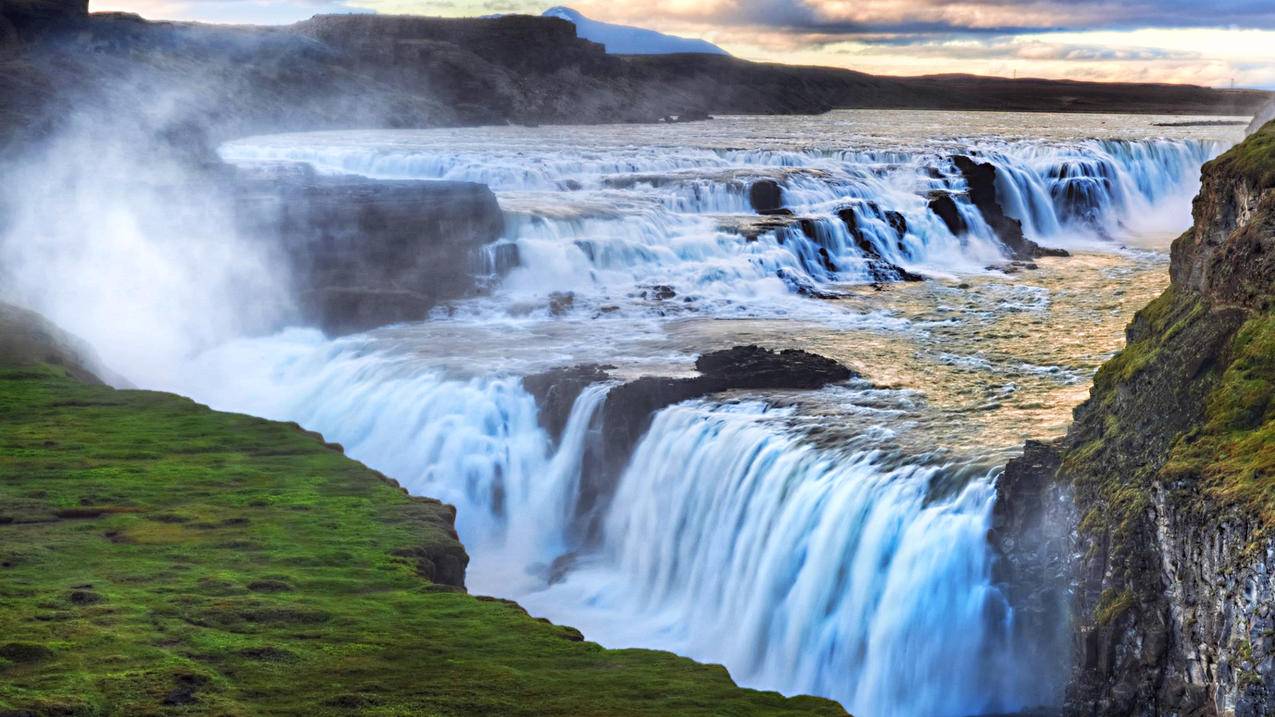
981 178
767 198
1031 536
898 222
560 302
661 292
945 207
364 252
556 392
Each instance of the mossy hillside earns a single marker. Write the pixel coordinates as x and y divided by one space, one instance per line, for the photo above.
1252 159
158 557
1233 451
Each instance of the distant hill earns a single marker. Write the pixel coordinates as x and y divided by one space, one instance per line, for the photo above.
625 40
370 71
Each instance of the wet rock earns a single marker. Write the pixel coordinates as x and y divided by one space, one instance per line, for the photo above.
361 252
629 408
981 178
898 222
767 198
943 205
556 392
661 292
1031 537
560 302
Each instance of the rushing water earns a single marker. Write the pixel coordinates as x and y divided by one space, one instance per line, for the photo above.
829 542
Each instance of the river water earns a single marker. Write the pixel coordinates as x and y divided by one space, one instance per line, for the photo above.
829 542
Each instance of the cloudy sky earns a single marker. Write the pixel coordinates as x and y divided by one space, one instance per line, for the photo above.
1208 42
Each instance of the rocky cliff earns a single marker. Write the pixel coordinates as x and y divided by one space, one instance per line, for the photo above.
1168 478
361 253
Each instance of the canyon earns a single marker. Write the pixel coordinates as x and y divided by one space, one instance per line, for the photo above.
751 390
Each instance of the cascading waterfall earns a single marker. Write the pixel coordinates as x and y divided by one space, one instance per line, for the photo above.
842 567
605 221
729 539
805 570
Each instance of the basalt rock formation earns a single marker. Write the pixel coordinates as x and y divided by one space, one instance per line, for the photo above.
981 180
1168 552
362 253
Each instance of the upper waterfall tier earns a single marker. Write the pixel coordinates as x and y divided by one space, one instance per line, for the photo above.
677 220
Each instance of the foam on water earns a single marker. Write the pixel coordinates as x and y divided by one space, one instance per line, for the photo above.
602 218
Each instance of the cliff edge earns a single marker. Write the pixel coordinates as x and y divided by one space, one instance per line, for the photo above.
1168 478
158 557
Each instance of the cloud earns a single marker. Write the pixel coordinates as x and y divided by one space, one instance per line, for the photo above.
1206 42
973 16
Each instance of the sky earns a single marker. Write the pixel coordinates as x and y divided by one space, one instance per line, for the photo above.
1206 42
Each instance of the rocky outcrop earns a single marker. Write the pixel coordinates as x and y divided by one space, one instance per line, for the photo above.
767 198
629 407
362 253
981 180
1169 463
1032 537
556 392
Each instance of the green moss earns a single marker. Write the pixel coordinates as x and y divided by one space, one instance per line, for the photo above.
1112 604
1253 159
1234 451
156 556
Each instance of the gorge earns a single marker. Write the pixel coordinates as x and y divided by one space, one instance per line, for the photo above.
753 390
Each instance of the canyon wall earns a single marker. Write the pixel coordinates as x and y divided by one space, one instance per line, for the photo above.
1168 478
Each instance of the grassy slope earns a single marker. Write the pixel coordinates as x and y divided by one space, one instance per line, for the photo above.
159 557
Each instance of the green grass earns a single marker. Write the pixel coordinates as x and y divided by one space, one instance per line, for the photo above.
157 557
1254 158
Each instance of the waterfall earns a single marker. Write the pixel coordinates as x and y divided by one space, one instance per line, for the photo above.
730 538
606 221
843 566
803 570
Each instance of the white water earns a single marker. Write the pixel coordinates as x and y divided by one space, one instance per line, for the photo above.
806 547
810 571
604 218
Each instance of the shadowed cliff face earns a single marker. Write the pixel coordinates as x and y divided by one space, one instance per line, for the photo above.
1171 466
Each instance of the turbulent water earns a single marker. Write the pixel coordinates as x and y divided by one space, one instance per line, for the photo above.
829 542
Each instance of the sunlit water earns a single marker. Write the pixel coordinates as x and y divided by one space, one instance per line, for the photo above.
828 542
